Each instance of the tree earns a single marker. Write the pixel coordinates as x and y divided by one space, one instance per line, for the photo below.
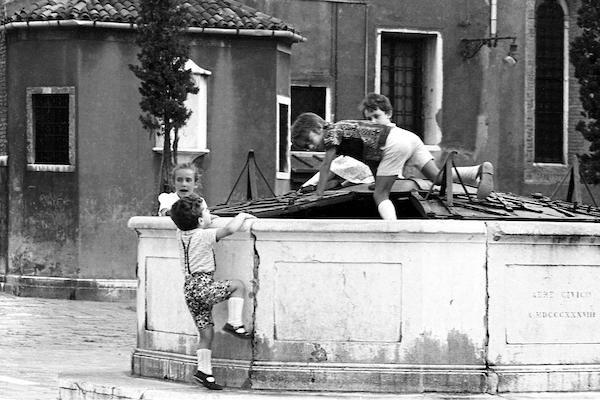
585 56
165 83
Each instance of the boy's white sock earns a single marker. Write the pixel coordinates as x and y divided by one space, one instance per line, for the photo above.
235 306
387 210
480 176
468 174
204 362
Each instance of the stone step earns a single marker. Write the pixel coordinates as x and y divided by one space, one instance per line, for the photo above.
122 386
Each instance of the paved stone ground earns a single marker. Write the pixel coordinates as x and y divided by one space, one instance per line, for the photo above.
41 337
93 341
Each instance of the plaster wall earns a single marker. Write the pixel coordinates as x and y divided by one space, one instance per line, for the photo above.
72 224
42 206
242 91
116 167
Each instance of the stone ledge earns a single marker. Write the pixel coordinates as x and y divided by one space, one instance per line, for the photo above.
559 378
118 385
314 377
121 386
118 290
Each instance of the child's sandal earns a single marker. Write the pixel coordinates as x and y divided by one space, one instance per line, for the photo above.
239 331
208 381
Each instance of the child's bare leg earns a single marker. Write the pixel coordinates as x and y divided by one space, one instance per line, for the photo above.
430 170
383 187
206 338
204 350
480 176
237 288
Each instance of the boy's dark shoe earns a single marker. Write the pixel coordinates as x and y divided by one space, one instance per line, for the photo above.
208 381
239 331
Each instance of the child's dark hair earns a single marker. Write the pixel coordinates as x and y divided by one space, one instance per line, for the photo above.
186 211
373 101
189 166
303 125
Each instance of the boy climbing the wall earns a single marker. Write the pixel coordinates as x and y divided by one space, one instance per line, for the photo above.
201 290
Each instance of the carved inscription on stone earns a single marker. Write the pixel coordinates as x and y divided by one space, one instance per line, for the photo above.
552 304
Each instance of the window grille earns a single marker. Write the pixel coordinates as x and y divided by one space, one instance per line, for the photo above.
51 128
402 80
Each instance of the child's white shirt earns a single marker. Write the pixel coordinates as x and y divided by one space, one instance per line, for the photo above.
166 200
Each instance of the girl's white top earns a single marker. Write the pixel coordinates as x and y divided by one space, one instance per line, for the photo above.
166 200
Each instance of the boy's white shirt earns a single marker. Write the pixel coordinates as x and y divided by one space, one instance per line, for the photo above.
200 244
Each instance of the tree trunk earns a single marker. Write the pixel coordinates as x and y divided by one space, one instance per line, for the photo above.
166 159
175 145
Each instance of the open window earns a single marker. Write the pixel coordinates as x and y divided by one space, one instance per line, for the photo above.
283 137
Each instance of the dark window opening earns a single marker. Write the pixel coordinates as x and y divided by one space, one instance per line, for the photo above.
549 89
51 128
402 80
309 99
283 137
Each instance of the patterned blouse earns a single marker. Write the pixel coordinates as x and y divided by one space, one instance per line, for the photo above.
347 134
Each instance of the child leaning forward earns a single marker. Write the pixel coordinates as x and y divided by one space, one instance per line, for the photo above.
201 290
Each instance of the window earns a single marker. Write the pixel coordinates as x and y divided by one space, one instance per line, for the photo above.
283 137
192 136
409 73
549 83
402 80
313 99
51 129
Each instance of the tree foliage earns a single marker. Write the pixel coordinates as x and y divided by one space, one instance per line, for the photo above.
165 83
585 56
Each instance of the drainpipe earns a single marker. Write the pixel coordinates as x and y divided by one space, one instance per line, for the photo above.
367 50
493 18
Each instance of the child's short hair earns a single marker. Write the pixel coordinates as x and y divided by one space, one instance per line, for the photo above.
373 101
186 211
303 125
189 166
